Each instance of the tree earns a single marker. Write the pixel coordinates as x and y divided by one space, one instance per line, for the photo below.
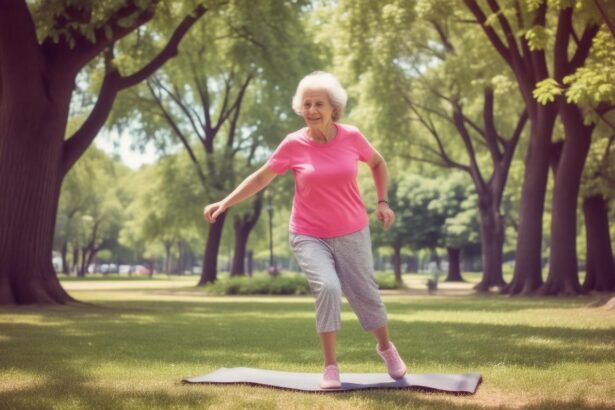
461 229
591 88
161 218
90 211
37 77
421 56
397 235
233 64
526 57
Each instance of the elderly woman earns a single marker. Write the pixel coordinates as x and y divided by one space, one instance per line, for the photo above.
329 231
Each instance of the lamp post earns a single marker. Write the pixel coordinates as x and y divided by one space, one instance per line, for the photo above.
273 270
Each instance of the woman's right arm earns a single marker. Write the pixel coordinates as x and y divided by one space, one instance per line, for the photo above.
251 185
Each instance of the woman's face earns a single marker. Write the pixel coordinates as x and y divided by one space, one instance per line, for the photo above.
316 110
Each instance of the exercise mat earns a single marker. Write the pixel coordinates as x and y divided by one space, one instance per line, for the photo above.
310 382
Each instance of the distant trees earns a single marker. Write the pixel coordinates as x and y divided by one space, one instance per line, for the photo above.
222 103
90 212
430 213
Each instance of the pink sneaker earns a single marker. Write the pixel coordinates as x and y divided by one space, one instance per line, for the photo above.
395 365
331 378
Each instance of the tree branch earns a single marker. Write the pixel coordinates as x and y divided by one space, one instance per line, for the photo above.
610 23
585 45
490 32
562 39
429 126
76 145
448 46
177 99
224 110
237 108
508 31
73 57
178 132
491 133
474 169
168 52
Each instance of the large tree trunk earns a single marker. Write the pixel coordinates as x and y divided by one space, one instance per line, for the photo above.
210 259
600 275
527 276
492 242
454 265
563 275
36 82
31 138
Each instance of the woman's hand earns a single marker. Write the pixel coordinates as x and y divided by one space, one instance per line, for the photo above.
385 215
212 211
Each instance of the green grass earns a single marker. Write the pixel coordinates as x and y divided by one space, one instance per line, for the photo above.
132 346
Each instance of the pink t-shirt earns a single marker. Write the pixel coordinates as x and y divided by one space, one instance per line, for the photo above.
327 202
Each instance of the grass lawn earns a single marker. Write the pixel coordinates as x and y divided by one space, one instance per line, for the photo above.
133 344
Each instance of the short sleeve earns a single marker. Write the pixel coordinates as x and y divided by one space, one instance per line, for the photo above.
280 160
364 148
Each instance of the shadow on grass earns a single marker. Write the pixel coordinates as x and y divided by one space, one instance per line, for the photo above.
65 346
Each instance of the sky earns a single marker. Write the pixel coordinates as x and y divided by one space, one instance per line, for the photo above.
111 143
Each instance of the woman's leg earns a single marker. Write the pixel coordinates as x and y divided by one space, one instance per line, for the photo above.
355 268
316 261
327 341
382 336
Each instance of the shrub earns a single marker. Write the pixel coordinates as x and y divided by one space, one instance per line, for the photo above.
243 285
387 281
280 285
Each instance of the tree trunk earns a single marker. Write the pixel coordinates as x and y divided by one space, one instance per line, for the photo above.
454 265
600 268
31 138
250 262
492 242
87 260
210 259
563 275
527 276
243 225
75 262
241 242
84 259
167 256
64 252
397 262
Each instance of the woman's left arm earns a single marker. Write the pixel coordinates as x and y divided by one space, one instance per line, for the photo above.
381 177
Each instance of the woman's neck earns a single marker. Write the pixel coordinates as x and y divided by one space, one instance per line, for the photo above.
323 134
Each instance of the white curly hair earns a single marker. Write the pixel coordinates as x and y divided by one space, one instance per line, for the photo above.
321 80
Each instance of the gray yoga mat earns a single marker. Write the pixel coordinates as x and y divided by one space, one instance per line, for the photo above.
310 382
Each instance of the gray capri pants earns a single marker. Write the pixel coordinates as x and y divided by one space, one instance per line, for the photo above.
341 264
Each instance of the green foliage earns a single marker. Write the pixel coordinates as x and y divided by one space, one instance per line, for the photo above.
165 208
280 285
92 203
386 280
594 82
431 213
538 37
546 91
260 285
